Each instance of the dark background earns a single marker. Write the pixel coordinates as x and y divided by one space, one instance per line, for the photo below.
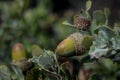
59 6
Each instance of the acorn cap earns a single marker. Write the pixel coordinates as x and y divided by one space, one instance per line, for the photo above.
82 42
18 52
24 64
75 44
81 22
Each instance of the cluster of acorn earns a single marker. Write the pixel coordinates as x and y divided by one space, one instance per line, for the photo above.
77 43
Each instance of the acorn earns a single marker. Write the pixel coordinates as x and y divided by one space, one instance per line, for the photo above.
36 50
19 57
75 44
18 52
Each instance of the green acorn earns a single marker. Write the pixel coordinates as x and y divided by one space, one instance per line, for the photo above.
36 50
19 57
75 44
18 52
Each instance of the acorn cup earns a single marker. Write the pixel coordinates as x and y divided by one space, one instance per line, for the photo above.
81 22
75 44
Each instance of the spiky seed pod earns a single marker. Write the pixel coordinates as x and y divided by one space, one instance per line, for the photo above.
75 44
81 22
18 52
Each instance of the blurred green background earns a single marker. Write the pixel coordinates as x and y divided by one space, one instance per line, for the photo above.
40 22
